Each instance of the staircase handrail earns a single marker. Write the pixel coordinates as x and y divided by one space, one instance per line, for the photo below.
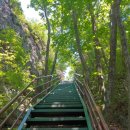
2 123
93 109
29 103
19 94
77 74
93 123
104 124
43 76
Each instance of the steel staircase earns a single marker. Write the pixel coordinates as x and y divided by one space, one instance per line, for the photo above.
62 106
61 109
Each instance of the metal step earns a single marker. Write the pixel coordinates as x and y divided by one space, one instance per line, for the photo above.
57 113
59 99
55 122
60 103
80 118
60 110
63 97
58 106
75 128
50 101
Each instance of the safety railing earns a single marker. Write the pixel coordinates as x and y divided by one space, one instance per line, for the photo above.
98 122
28 96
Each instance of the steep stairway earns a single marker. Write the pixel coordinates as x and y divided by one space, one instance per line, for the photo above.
61 109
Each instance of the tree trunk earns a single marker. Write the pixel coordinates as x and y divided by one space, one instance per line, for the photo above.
100 83
104 57
125 52
53 66
48 41
54 62
47 48
77 37
112 60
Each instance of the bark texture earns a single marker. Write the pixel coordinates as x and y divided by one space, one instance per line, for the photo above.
112 60
77 37
100 82
48 41
54 62
125 52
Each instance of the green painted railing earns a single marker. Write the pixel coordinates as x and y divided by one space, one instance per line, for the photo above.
98 122
25 97
93 116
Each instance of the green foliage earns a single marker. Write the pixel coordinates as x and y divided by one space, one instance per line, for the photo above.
38 31
63 36
13 58
16 6
17 11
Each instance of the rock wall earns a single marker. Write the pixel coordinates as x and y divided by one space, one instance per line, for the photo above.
33 46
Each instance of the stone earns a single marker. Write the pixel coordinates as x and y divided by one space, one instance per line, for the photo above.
30 44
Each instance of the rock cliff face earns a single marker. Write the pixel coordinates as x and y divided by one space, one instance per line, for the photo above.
33 46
